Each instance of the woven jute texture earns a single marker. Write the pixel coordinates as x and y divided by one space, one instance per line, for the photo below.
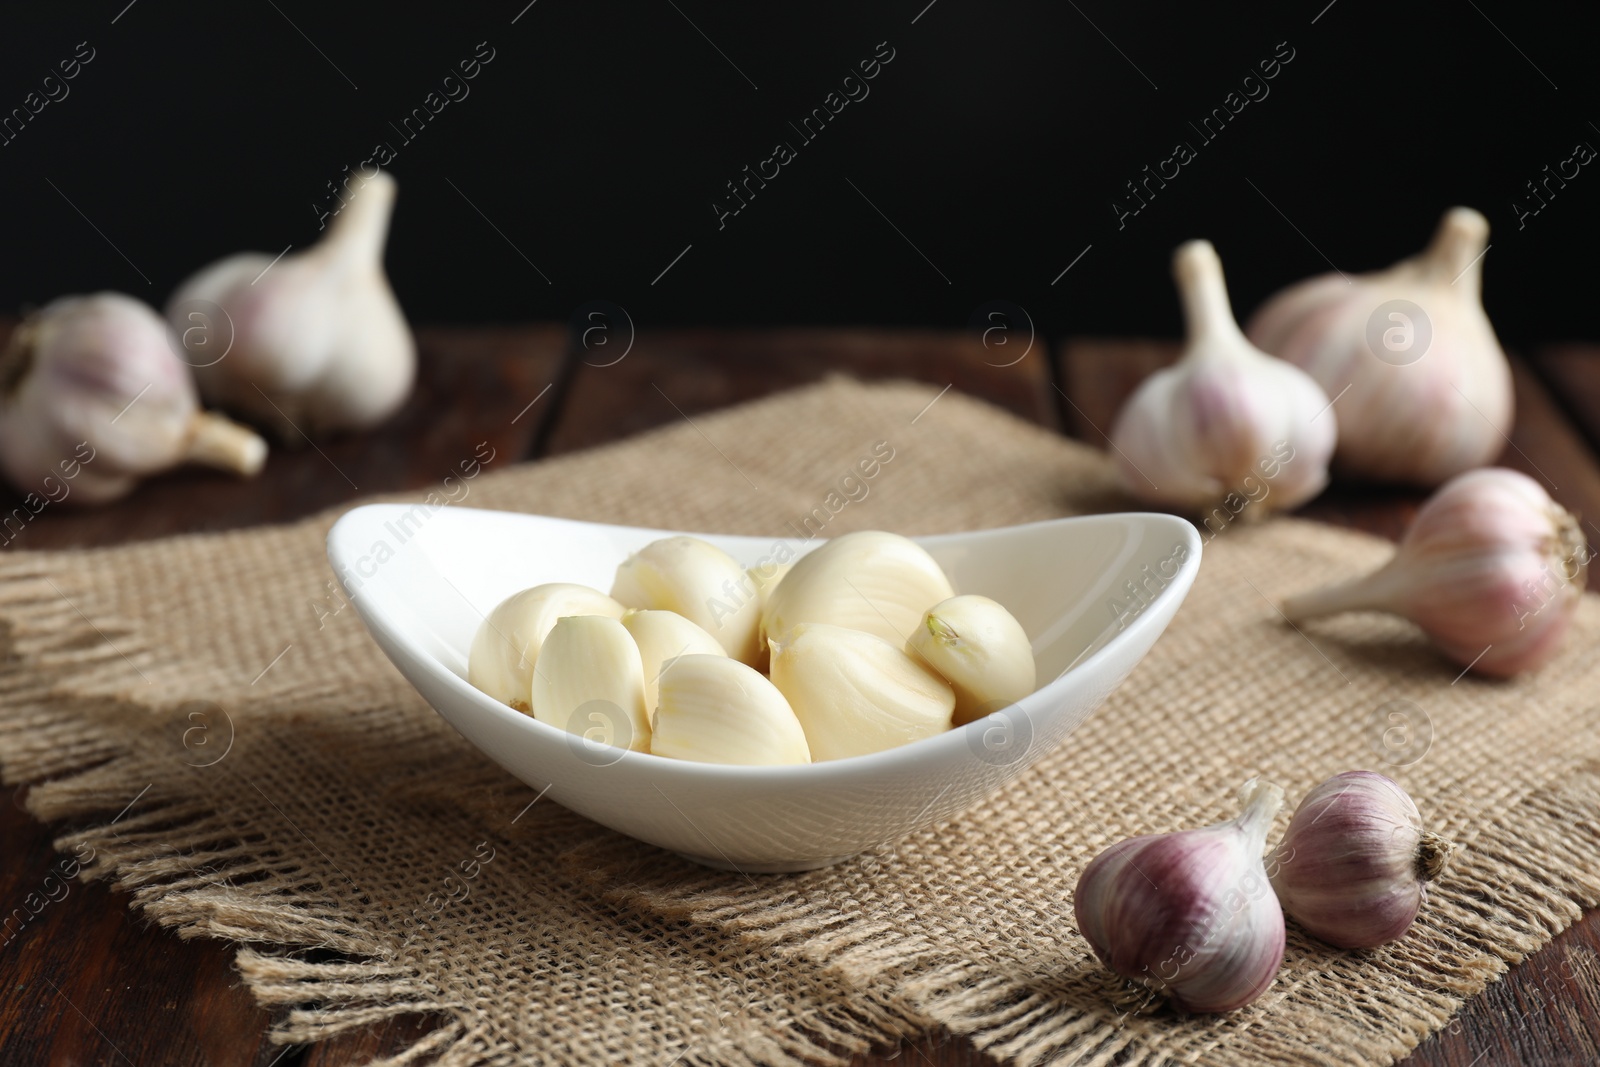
244 761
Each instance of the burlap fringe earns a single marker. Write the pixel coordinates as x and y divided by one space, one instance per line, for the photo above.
222 885
1497 904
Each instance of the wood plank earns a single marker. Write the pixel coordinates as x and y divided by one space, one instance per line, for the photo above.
669 374
1572 374
84 983
472 386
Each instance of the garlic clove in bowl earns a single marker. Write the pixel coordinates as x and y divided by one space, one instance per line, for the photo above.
428 596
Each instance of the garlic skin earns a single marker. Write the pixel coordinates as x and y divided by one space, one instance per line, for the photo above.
98 370
699 581
855 693
507 644
977 646
1226 418
717 710
318 341
589 680
1491 569
1411 414
1354 865
661 636
1191 913
876 582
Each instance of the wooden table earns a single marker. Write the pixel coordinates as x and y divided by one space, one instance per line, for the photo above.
88 982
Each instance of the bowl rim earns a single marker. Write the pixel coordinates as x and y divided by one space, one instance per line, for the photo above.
667 769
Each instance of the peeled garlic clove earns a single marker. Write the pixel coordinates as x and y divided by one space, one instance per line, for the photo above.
1424 388
980 649
765 578
661 636
1492 570
90 385
1189 914
589 680
1355 865
717 710
1226 419
855 693
313 343
876 582
698 581
508 643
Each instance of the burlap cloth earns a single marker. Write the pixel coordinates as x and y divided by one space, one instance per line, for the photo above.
280 785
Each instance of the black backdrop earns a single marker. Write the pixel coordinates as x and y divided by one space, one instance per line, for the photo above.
985 157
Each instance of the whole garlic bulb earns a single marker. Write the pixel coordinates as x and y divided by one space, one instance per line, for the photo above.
980 648
316 342
873 581
1190 914
508 642
1225 419
855 693
1354 866
1492 570
98 372
1424 388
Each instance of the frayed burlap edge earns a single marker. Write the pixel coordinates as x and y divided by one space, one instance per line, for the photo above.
221 884
1495 908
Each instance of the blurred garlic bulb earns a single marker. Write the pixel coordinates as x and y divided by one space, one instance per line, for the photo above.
980 648
855 693
1226 420
870 580
91 384
1424 388
716 710
662 636
699 581
313 343
1492 570
507 644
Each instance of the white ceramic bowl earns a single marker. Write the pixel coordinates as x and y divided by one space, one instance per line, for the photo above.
423 582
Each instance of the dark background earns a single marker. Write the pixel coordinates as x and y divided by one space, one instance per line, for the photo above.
996 141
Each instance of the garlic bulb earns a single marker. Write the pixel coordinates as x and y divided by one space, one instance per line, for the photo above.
589 680
855 693
1424 389
507 644
661 636
1492 570
313 343
980 649
717 710
876 582
1353 868
90 384
1190 914
1226 421
698 581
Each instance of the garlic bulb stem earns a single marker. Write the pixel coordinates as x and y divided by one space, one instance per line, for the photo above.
1207 314
218 441
361 228
1378 591
1455 255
